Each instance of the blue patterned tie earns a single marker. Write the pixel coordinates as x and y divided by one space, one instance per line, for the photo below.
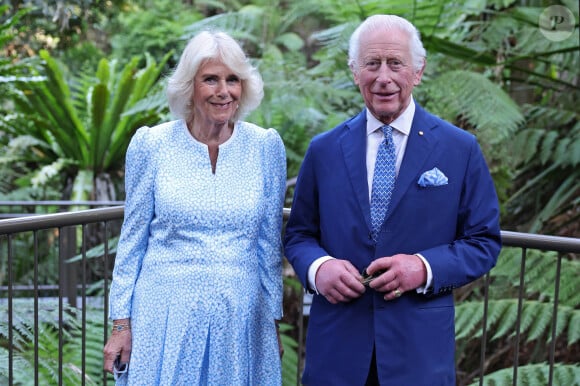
383 180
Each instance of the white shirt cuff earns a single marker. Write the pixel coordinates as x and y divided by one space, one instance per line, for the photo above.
423 289
313 269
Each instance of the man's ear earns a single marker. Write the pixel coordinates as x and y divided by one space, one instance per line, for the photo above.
419 74
354 72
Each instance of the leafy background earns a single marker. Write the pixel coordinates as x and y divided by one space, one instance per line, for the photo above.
77 78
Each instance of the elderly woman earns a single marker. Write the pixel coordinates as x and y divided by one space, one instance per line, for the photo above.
197 283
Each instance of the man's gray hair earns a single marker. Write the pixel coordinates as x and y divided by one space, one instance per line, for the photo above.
387 23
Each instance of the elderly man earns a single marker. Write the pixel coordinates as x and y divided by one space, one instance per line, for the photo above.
393 209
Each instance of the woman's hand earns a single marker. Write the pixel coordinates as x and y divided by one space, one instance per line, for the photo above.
118 345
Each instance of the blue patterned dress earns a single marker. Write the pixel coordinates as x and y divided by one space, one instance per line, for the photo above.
199 263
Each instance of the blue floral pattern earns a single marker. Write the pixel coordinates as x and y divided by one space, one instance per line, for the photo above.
199 263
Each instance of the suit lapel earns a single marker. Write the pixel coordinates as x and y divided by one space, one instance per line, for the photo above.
420 144
353 144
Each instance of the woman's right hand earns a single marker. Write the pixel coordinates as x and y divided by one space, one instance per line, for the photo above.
118 345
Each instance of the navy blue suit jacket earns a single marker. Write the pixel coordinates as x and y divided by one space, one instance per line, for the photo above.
454 226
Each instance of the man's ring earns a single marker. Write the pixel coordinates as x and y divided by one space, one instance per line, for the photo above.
397 293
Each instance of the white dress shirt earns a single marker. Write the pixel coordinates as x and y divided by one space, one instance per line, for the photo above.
401 129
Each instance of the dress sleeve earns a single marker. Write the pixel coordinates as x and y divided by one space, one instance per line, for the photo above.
139 208
270 241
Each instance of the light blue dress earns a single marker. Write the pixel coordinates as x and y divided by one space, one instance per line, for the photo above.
199 263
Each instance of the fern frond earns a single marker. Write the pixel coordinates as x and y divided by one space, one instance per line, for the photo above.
534 374
241 25
563 195
535 320
497 309
468 317
505 324
48 344
547 146
540 275
541 323
574 328
290 358
472 96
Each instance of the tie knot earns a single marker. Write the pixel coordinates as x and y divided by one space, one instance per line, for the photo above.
387 130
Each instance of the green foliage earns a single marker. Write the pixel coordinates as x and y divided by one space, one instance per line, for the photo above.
556 154
536 319
540 276
268 33
534 374
23 264
47 342
541 76
290 358
453 94
59 25
479 51
83 119
155 27
535 314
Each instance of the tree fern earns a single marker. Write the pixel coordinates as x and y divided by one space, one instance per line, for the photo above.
470 96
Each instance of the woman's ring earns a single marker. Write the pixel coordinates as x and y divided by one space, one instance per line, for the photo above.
397 293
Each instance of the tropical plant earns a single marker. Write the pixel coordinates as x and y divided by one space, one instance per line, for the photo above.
271 35
84 123
8 31
155 27
46 344
543 153
535 315
490 71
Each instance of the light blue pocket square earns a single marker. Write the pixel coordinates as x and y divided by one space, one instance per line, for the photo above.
433 177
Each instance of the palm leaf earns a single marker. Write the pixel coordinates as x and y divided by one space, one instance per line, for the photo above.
143 82
66 125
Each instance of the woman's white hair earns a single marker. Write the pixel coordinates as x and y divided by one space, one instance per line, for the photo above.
203 47
387 23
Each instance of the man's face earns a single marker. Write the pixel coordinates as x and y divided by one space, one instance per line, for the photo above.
385 74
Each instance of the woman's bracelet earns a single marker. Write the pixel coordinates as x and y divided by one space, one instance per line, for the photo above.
118 327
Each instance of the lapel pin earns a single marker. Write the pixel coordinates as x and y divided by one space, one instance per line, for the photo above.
421 132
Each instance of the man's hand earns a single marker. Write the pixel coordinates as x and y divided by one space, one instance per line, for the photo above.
339 281
402 273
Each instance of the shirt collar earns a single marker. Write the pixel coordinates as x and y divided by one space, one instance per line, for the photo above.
402 123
